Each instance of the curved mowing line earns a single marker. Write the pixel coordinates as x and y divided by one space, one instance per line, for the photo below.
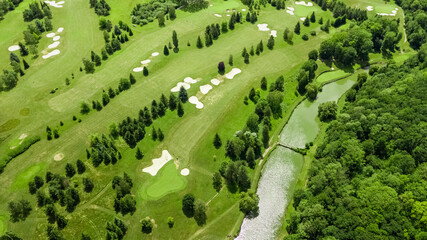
168 180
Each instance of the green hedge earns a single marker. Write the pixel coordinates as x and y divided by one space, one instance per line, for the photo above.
12 153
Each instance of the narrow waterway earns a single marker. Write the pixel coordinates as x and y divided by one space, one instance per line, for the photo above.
282 168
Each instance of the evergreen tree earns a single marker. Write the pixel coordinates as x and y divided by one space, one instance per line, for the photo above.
183 96
166 51
297 29
160 134
172 14
313 18
26 66
145 71
154 134
104 54
23 49
132 79
217 181
81 167
172 102
244 52
161 19
265 136
224 27
217 141
252 52
321 20
180 109
199 43
139 155
175 40
88 185
261 46
246 58
270 43
264 83
306 22
243 179
69 170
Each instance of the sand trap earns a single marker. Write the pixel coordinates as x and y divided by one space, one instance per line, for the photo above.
58 157
387 14
50 35
185 172
228 15
23 136
308 4
291 8
13 48
145 62
56 38
217 15
205 88
138 69
394 11
263 27
155 54
215 82
243 10
233 73
53 53
55 4
290 12
370 8
179 85
332 68
53 45
60 29
302 19
273 33
210 5
189 80
158 163
194 100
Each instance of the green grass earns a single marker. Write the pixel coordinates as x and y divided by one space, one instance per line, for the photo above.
9 125
2 224
167 180
328 76
27 175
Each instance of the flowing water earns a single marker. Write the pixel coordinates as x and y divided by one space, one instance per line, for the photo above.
283 166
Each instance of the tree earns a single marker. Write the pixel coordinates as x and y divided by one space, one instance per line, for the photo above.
327 111
23 49
246 58
275 100
250 157
180 109
147 225
265 136
224 27
243 179
311 91
306 22
248 203
38 181
19 210
287 35
313 54
32 187
165 51
172 102
161 136
26 66
230 60
12 236
69 170
188 205
154 134
175 41
221 67
81 167
217 181
145 71
297 29
183 96
270 43
313 18
161 19
264 83
252 122
139 155
199 43
84 108
200 212
172 14
88 65
171 222
217 141
61 221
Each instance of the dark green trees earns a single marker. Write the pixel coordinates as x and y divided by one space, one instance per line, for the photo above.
183 96
270 43
297 29
217 141
327 111
188 204
19 210
175 41
138 154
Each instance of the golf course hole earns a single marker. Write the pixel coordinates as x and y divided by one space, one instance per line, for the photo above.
9 125
167 181
58 157
158 163
24 112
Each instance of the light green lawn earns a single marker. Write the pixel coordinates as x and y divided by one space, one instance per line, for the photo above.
328 76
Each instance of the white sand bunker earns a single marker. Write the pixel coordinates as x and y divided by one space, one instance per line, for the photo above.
217 15
243 10
273 33
308 4
370 8
53 45
394 11
58 157
13 48
194 100
138 69
53 53
290 10
158 163
145 62
233 73
60 29
387 14
22 137
228 15
56 38
215 82
185 172
210 5
302 19
55 4
155 54
205 88
189 80
50 35
179 85
263 27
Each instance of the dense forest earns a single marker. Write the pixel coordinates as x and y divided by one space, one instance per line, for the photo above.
369 179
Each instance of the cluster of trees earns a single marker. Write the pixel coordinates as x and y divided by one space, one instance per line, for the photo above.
7 6
306 76
19 210
10 236
60 190
50 133
369 180
124 201
194 208
116 229
279 4
235 175
36 11
415 21
101 7
259 49
103 150
339 9
385 33
212 32
133 130
145 13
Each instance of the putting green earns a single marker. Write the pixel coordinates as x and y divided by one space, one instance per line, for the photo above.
167 180
27 175
327 76
2 224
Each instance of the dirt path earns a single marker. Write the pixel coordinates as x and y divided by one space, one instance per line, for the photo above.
96 196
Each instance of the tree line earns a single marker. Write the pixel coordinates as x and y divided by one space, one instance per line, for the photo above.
7 6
